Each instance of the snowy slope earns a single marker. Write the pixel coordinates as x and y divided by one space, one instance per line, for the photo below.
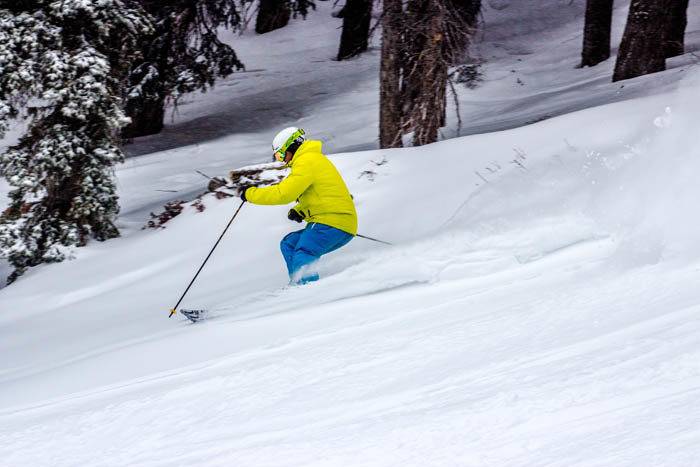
540 306
527 320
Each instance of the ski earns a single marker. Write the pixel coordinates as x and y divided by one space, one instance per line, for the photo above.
194 315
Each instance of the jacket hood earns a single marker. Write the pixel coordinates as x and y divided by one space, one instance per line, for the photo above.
306 147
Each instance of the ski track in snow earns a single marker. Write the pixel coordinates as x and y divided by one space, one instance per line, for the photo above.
540 306
457 373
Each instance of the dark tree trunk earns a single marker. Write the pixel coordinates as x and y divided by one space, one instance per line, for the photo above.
414 45
428 108
355 36
146 118
273 14
390 75
434 41
417 50
596 32
675 34
642 47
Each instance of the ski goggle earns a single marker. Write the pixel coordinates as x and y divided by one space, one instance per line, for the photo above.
281 152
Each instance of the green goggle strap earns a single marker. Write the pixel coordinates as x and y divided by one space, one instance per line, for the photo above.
289 141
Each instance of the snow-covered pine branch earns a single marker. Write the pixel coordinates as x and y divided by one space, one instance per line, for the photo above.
251 175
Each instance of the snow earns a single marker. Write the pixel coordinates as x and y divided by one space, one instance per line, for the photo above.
540 306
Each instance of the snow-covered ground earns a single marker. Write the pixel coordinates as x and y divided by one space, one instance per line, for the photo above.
540 305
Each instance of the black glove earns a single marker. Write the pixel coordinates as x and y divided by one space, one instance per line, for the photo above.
241 192
293 215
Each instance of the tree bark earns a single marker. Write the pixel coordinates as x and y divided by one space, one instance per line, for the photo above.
433 34
354 39
596 32
414 44
390 76
642 47
429 86
437 36
675 34
273 14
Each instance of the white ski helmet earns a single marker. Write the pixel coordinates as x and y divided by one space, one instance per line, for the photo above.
286 138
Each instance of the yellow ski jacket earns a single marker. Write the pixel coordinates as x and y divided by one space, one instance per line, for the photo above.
318 188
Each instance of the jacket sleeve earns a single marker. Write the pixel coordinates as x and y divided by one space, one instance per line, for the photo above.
287 190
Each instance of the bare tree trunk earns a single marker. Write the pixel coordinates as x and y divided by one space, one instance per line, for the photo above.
677 22
417 50
438 35
596 32
273 14
390 76
428 109
414 44
356 20
642 47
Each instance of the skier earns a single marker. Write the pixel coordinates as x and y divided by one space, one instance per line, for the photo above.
323 201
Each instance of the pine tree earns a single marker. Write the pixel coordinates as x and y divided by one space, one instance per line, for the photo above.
62 63
642 48
675 33
183 54
354 39
596 32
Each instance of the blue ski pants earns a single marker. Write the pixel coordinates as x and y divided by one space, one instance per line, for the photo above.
304 247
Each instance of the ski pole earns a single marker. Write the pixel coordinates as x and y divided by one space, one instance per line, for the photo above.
204 175
373 239
174 309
